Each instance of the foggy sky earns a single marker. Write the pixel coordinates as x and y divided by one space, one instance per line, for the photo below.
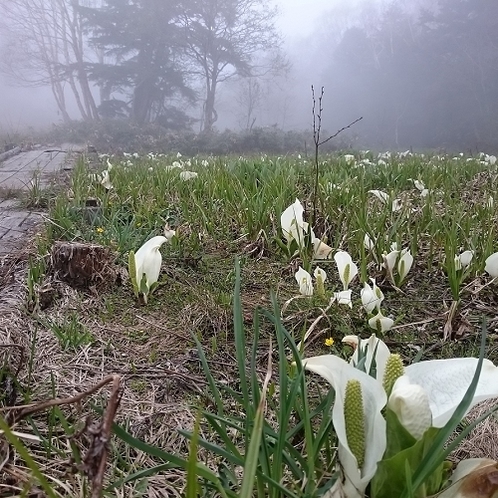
347 46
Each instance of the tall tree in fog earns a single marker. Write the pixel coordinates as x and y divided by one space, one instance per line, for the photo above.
224 38
45 45
141 42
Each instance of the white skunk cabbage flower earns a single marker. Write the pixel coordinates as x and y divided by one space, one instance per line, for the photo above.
357 469
371 296
148 261
375 350
349 158
347 269
343 297
411 405
402 260
381 195
188 175
380 323
492 265
446 381
419 185
491 160
295 228
463 260
390 262
293 225
396 205
320 249
368 243
304 281
405 263
106 180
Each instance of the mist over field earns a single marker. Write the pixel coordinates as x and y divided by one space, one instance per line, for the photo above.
422 74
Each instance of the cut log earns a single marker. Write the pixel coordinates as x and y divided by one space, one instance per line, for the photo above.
83 264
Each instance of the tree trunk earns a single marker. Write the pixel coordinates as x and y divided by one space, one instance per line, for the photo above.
210 114
142 100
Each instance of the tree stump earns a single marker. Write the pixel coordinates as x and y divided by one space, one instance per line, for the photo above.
83 264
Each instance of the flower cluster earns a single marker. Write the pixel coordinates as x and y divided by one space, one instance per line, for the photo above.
377 398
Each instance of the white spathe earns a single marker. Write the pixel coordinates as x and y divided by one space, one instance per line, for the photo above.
397 205
374 350
188 175
148 260
405 263
292 223
368 243
419 185
380 323
492 265
304 281
106 180
168 233
320 273
371 296
347 269
463 260
446 381
295 228
349 158
338 372
390 261
411 405
344 297
380 194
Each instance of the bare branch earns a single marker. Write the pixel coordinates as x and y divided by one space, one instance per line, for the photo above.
344 128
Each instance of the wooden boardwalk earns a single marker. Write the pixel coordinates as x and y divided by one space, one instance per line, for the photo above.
19 174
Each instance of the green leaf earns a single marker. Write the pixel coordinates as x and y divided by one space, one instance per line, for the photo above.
144 289
240 341
398 438
214 391
173 460
28 459
283 246
252 456
392 473
192 483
